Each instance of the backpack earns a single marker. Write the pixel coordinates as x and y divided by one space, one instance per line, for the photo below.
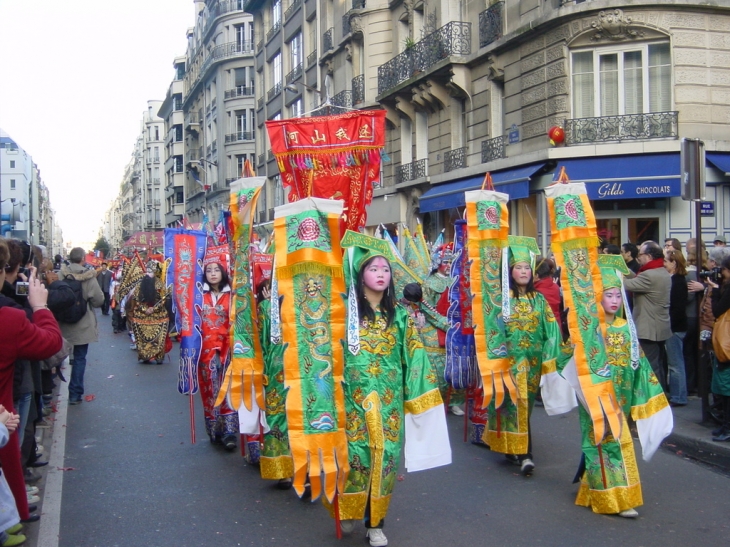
74 312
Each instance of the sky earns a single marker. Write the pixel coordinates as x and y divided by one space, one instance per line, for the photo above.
75 79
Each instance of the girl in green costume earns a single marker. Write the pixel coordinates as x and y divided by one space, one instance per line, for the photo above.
610 483
533 340
390 389
276 461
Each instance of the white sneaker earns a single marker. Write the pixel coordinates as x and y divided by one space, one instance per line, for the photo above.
377 537
629 514
31 490
33 499
456 410
527 467
39 450
347 526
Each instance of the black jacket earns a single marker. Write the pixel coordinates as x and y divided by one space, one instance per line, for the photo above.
678 304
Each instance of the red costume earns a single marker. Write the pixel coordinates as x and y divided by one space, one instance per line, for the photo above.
214 358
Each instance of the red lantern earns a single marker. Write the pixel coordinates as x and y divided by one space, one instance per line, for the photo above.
556 135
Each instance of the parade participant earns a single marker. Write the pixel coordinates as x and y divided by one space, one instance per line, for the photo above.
434 307
275 461
148 315
609 482
533 338
390 388
221 423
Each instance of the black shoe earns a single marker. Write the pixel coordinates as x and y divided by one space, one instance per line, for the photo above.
31 518
32 508
718 431
215 440
74 401
229 441
37 464
284 484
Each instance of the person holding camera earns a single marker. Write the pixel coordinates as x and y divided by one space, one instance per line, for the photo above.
27 333
721 370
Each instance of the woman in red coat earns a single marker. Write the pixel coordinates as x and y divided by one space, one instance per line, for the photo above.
21 338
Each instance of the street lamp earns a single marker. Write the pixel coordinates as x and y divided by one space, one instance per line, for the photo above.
291 87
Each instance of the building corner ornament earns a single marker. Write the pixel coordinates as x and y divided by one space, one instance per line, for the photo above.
613 25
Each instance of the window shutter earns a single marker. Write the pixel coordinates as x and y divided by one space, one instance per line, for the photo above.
583 86
660 78
633 83
609 84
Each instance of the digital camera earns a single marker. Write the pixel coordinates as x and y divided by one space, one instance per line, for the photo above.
714 275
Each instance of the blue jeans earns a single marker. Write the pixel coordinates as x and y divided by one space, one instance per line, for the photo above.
22 407
675 364
76 385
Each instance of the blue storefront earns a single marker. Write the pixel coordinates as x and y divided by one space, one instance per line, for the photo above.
635 197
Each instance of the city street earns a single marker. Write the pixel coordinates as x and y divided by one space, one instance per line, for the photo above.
128 475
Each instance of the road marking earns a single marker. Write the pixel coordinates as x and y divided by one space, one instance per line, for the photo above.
50 524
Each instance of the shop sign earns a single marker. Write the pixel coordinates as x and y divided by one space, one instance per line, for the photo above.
633 189
707 208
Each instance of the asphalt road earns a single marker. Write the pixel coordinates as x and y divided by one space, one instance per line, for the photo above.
138 481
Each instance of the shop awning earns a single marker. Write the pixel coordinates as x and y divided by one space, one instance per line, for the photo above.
514 182
721 161
626 177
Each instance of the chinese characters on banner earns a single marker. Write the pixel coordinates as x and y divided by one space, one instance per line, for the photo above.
331 157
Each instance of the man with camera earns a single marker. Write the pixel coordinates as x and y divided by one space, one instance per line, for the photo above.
651 288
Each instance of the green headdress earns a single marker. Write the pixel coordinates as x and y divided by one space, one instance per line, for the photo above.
522 249
611 266
358 249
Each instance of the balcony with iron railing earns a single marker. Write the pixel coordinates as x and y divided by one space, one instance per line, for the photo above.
312 58
455 159
293 7
192 119
273 92
491 24
294 74
269 155
220 8
220 52
493 149
358 89
262 159
240 136
629 127
343 99
194 155
273 30
411 171
358 4
215 147
328 39
157 159
260 103
346 27
239 91
453 39
230 181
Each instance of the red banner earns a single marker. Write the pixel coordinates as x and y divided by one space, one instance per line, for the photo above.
331 157
146 239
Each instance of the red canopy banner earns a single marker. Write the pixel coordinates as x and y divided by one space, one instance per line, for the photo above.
331 157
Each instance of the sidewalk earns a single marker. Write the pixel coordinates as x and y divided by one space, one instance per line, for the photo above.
693 439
